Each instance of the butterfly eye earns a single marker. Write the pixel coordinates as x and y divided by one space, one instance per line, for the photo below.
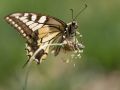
74 24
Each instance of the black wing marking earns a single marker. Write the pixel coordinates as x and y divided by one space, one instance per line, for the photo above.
16 21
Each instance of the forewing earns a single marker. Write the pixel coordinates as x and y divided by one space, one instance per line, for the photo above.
28 23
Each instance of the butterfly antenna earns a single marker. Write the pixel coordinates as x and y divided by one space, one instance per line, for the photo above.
72 13
81 10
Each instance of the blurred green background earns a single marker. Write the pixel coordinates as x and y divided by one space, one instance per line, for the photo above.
99 67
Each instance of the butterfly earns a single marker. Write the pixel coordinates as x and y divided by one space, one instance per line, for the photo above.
44 33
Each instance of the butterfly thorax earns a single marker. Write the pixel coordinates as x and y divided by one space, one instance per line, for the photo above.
69 38
71 29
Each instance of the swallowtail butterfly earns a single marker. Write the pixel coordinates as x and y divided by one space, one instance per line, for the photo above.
45 33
